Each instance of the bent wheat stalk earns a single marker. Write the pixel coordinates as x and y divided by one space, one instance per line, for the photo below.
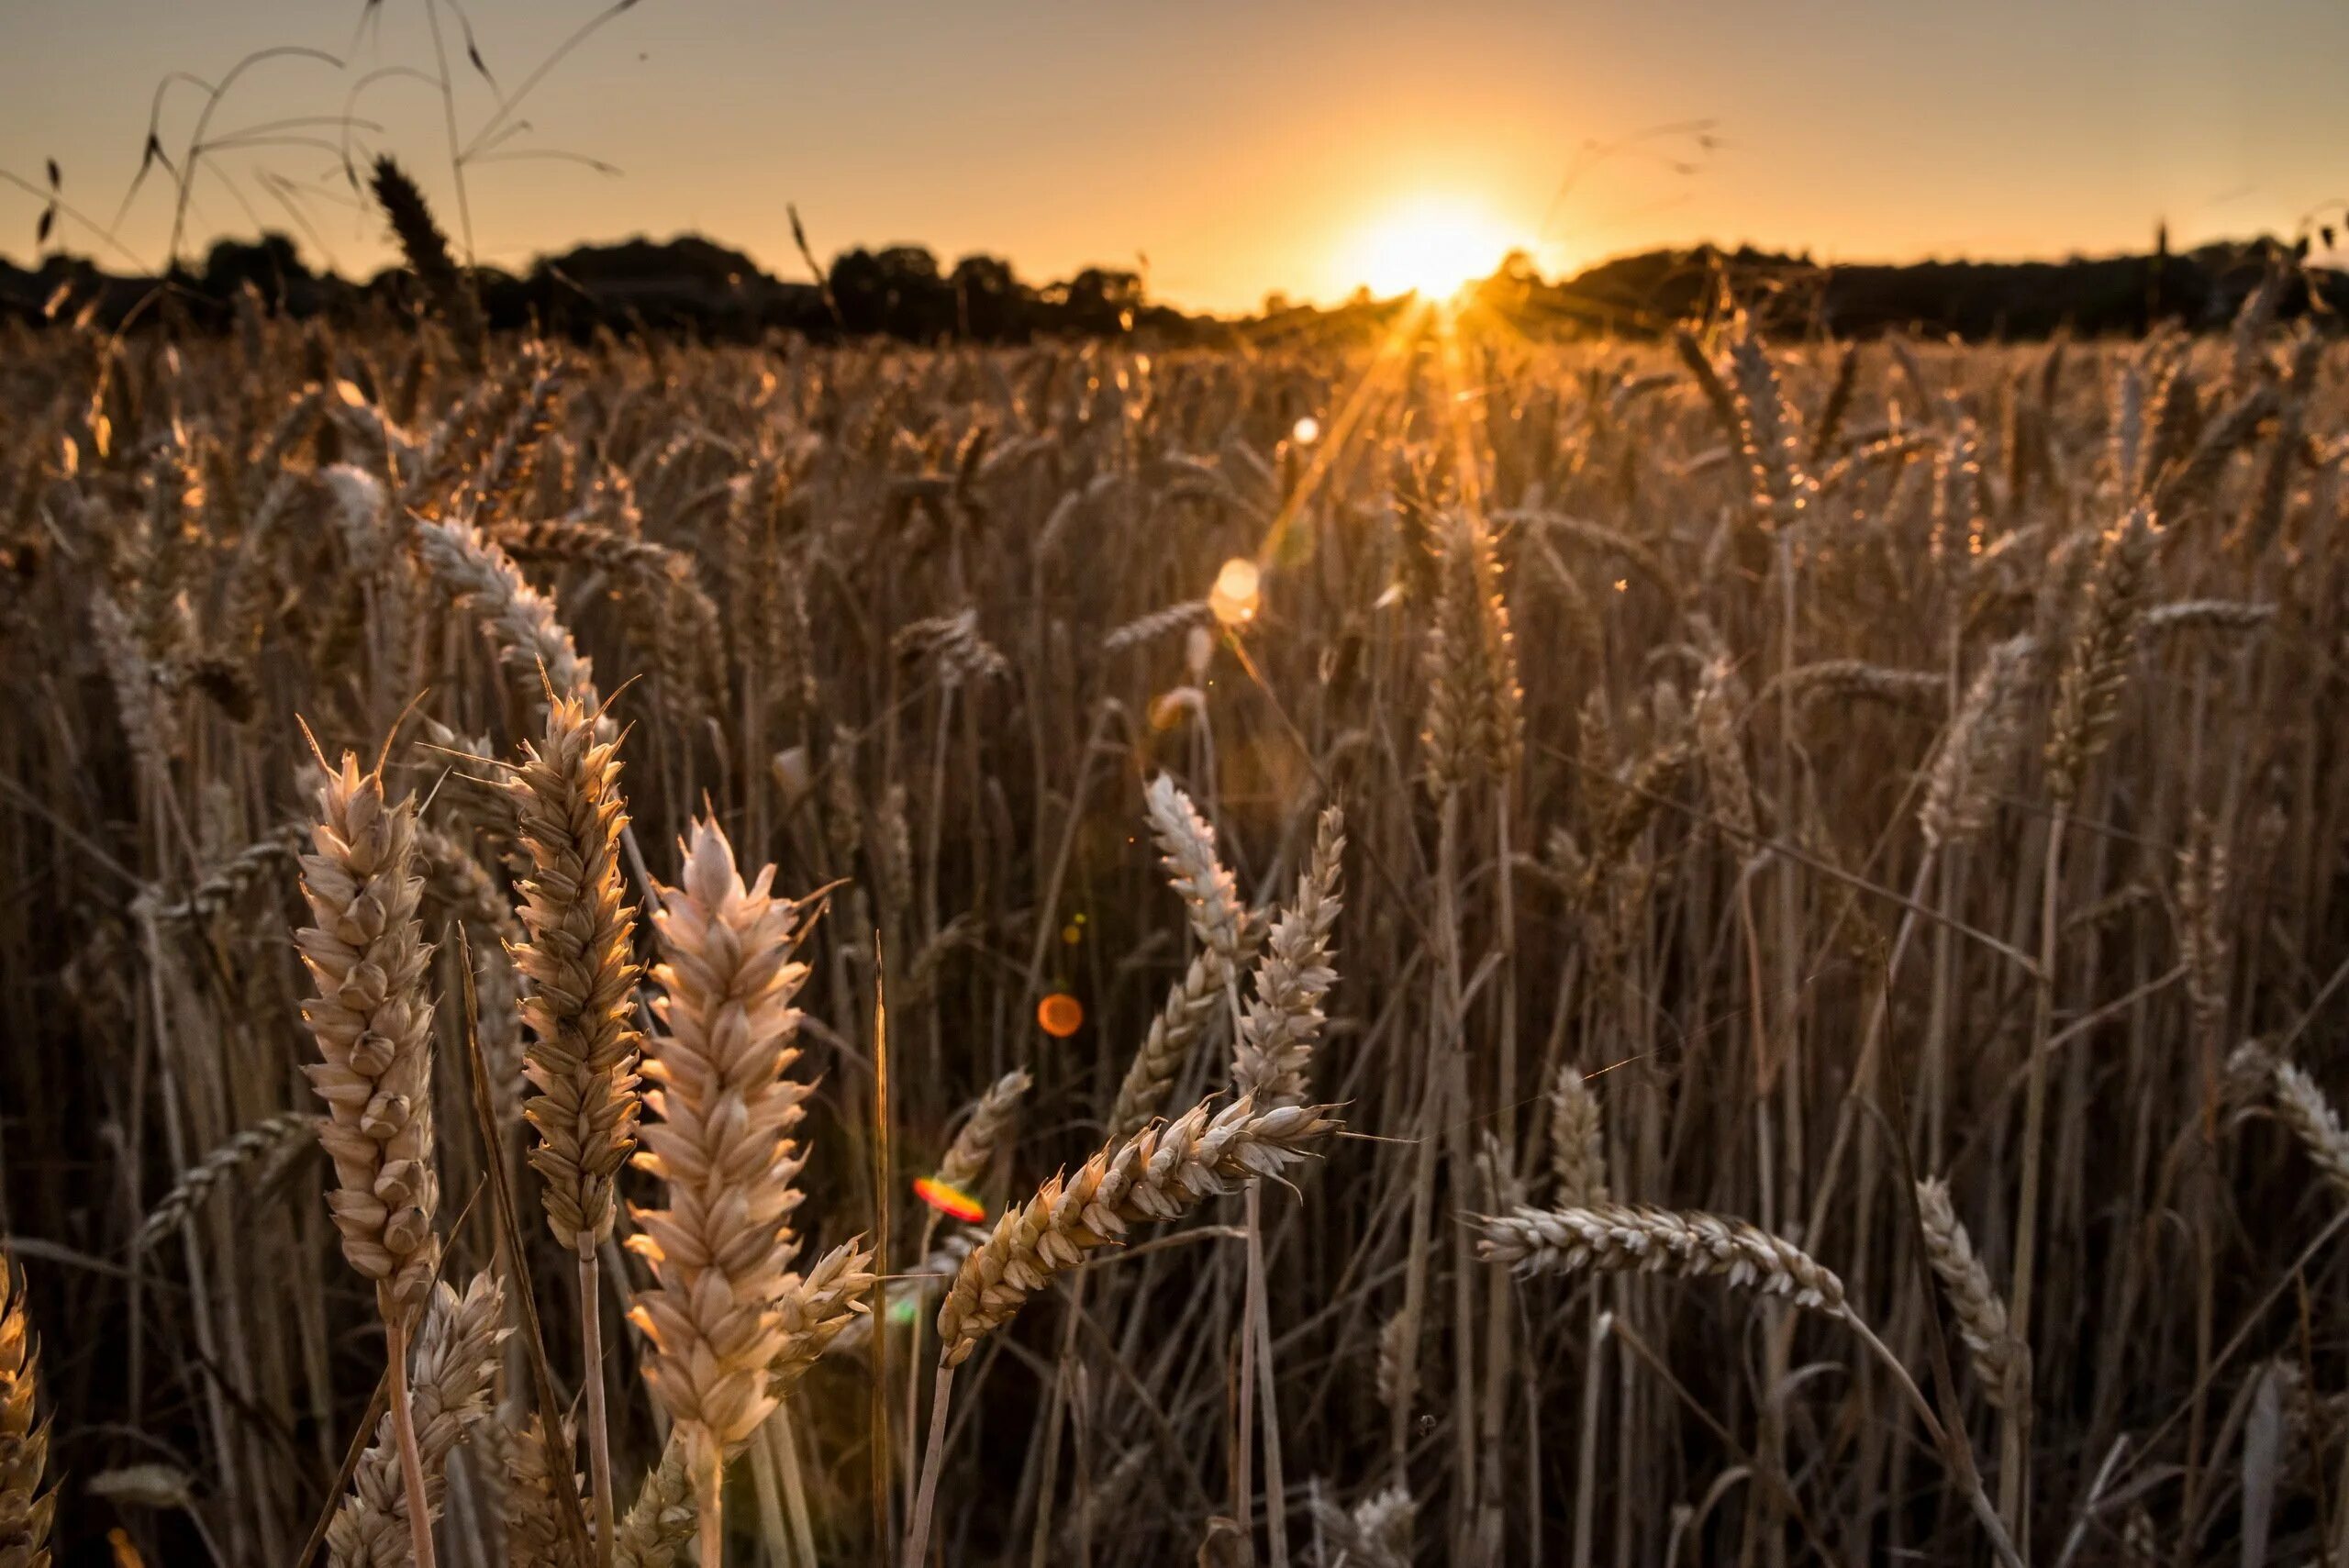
1160 1173
1624 1239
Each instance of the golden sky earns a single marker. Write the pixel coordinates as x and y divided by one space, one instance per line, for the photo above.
1284 145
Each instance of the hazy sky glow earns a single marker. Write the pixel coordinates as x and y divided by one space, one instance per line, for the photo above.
1241 147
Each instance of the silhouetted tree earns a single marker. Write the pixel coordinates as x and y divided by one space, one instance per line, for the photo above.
988 299
270 265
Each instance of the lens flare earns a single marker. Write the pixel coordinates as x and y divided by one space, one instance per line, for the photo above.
1235 596
950 1200
1060 1015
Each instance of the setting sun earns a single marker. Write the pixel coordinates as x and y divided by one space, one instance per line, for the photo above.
1431 247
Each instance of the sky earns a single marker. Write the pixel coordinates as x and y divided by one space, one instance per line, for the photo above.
1229 149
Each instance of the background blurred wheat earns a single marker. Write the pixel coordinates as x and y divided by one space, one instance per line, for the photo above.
1780 780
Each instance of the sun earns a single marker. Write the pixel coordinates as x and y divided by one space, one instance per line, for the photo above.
1431 246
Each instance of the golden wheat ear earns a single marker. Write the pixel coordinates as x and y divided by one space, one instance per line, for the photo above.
26 1511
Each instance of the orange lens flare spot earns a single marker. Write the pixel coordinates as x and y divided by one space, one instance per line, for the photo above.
1235 596
1060 1015
949 1200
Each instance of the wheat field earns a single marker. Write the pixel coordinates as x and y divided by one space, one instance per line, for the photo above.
1485 949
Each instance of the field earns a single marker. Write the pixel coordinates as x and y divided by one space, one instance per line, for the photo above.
1752 925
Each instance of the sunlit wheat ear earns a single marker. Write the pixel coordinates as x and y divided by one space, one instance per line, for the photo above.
1158 1174
456 1362
1283 1020
2001 1359
720 1138
1976 761
986 1131
25 1510
1783 487
1475 724
2304 1109
1578 1141
2103 643
530 636
1616 1238
579 971
1211 896
373 1022
1197 999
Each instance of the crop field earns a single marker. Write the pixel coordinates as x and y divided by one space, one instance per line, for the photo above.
1442 947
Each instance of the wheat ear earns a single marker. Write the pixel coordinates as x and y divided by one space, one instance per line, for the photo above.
1978 753
1618 1238
1578 1141
581 978
373 1022
985 1131
25 1510
529 634
1211 896
2001 1359
535 1535
662 1518
1283 1020
1158 1174
722 1140
1624 1239
2312 1118
456 1359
